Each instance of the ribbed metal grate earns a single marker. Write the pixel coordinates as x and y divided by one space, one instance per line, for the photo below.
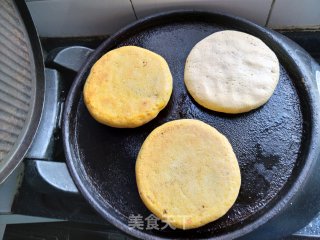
15 78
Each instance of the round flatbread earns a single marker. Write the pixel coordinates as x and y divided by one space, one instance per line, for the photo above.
128 87
231 72
187 173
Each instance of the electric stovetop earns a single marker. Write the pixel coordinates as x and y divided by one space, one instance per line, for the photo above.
47 189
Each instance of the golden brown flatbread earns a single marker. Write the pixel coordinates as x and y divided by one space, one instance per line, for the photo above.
187 173
128 87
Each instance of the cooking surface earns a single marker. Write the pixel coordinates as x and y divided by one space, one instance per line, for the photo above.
43 201
267 141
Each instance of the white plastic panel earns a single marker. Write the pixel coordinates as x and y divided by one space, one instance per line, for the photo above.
69 18
295 14
254 10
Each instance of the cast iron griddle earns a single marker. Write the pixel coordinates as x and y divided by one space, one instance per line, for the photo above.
269 142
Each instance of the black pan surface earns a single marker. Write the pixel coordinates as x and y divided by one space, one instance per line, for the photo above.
270 142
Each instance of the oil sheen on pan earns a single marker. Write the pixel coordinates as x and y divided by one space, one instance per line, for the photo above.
266 141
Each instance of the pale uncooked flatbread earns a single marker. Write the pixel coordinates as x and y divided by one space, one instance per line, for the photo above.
128 87
231 72
187 173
